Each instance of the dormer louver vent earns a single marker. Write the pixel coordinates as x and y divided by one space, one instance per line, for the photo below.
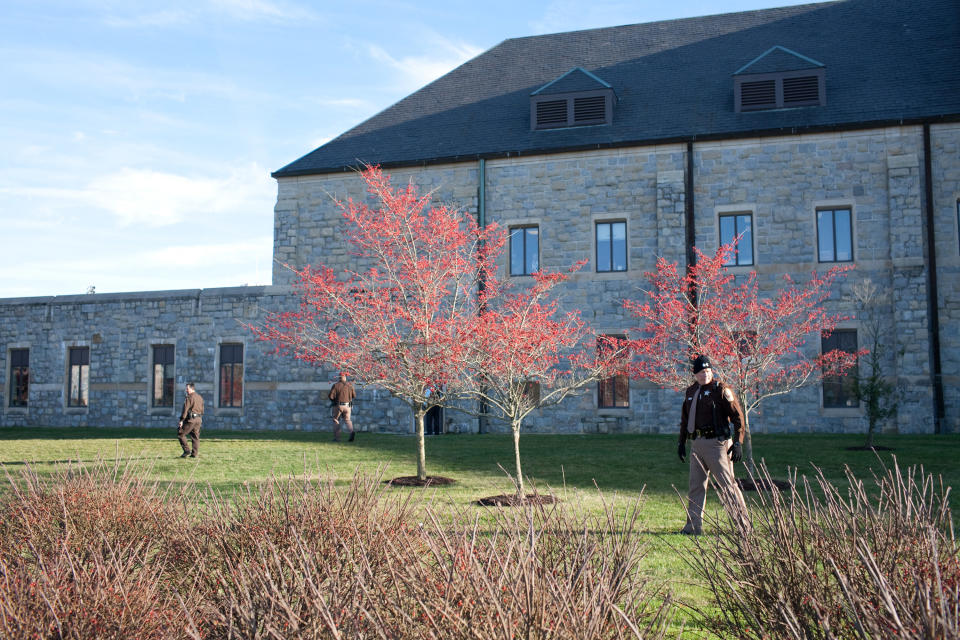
552 113
801 90
592 109
758 95
779 78
577 98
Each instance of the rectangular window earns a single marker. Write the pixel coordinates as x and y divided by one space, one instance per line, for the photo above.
736 225
79 377
834 235
524 251
611 246
19 377
531 389
612 392
162 375
838 390
231 375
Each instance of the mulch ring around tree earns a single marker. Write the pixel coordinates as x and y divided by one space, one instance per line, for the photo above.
762 484
875 447
414 481
513 500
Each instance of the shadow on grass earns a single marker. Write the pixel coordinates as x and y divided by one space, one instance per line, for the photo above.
614 462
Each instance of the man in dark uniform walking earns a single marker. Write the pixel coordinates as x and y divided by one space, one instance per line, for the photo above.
342 395
709 406
190 420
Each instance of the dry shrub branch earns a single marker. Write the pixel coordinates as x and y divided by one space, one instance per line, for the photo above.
873 560
99 552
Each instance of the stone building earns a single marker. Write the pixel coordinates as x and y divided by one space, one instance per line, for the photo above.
829 133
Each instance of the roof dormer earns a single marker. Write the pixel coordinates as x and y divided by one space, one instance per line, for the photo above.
779 78
577 98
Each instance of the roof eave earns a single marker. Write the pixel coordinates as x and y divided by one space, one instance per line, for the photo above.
734 135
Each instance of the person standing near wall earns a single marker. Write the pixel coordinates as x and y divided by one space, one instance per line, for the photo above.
709 406
342 395
191 418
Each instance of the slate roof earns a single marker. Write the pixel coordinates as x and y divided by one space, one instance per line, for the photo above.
577 79
777 59
887 61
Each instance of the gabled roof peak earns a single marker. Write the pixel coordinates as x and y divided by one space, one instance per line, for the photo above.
777 59
576 79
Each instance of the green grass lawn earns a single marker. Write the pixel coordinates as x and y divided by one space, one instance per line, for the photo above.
569 466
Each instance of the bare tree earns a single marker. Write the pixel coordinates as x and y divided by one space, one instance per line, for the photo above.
869 384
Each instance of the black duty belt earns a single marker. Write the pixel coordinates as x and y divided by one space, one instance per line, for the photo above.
193 415
344 404
703 433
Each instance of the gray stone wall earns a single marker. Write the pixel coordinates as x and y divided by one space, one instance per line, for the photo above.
782 181
120 330
308 220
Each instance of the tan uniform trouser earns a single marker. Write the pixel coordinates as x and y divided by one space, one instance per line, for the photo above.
190 428
710 455
341 411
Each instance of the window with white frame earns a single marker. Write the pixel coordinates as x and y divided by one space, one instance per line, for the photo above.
838 391
737 227
162 388
78 376
19 389
611 240
231 375
612 392
524 250
835 235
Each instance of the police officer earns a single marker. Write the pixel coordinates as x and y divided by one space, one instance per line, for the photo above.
341 397
191 418
709 406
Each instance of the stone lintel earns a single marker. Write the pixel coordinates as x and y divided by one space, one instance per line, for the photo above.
670 176
907 263
906 160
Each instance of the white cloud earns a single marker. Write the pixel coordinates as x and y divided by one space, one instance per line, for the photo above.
572 15
188 13
208 255
92 72
153 198
157 199
253 10
155 19
345 103
416 71
202 266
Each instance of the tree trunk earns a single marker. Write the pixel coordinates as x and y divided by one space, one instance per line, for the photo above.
421 444
516 452
747 439
870 434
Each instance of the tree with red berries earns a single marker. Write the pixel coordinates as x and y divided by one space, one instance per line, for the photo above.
399 323
524 354
757 344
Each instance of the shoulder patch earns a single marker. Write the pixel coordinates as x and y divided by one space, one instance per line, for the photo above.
727 394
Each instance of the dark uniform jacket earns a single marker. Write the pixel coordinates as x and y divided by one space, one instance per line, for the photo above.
716 399
192 404
342 393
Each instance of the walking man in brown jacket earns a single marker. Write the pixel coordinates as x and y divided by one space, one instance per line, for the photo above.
190 419
342 395
709 406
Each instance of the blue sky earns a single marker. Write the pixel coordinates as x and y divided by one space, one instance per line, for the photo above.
137 139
